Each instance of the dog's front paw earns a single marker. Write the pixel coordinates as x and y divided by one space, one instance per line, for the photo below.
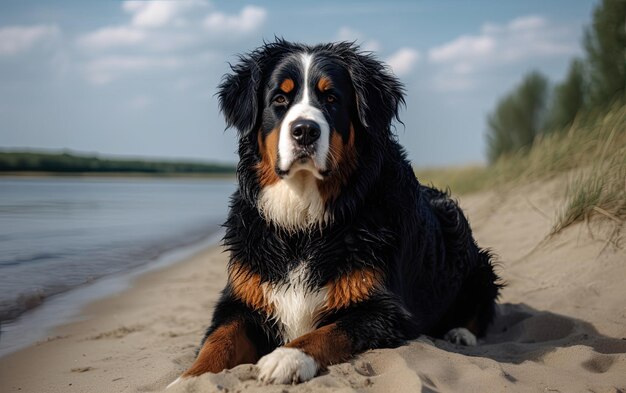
286 365
461 336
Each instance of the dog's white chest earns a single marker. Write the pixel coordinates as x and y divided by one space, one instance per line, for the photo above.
295 304
294 204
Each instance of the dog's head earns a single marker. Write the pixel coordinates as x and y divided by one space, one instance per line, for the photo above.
309 118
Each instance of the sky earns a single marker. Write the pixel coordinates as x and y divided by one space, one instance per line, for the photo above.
138 78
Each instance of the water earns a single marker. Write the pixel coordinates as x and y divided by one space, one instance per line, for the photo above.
60 233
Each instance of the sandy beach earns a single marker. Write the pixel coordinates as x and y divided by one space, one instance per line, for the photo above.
561 324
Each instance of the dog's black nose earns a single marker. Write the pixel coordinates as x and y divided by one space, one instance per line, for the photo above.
305 132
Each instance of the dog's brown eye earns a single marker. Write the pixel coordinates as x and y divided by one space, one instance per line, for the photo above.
331 99
280 99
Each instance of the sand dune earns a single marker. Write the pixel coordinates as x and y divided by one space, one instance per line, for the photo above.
561 324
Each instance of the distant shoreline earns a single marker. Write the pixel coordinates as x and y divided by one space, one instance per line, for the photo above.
35 163
172 175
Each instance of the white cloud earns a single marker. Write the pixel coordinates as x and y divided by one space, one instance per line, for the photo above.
18 39
158 32
371 46
109 37
462 48
527 22
348 34
151 14
521 39
149 25
249 19
112 38
403 61
106 69
161 26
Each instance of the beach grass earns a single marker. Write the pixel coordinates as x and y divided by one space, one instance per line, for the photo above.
460 180
591 153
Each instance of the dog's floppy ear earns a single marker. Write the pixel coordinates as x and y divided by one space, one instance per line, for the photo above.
239 94
240 91
379 93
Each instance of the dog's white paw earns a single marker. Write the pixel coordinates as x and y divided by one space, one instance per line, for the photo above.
461 336
286 365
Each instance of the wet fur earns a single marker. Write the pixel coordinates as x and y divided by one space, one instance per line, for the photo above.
422 270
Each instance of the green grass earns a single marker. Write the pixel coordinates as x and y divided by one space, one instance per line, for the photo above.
592 152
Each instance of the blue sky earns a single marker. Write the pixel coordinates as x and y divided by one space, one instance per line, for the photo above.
137 78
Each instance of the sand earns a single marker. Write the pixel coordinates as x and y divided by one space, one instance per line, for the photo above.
561 324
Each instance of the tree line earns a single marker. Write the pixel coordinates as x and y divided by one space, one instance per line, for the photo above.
72 163
596 81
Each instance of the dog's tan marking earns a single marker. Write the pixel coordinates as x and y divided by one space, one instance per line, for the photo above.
327 345
287 85
248 287
227 347
342 161
337 149
268 148
351 288
324 84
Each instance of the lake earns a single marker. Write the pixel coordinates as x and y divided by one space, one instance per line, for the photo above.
60 233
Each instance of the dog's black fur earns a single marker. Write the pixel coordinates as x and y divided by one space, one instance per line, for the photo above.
433 275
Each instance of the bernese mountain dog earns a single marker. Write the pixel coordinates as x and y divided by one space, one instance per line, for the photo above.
335 247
